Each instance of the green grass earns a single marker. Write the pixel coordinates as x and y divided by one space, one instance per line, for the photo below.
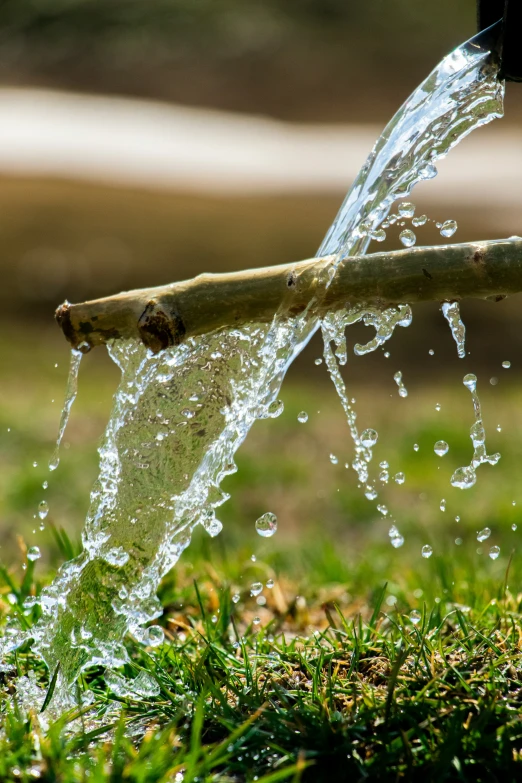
336 681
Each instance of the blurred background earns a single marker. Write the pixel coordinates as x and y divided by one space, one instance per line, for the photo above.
145 141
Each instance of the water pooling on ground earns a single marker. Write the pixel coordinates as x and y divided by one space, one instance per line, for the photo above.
179 417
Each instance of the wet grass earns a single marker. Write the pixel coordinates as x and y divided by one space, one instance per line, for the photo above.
347 680
361 661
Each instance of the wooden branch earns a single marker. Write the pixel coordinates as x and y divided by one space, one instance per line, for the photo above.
169 314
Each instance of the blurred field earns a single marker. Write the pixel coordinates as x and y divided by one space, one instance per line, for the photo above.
285 466
298 60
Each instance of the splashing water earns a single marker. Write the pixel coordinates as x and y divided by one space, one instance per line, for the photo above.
403 391
465 477
70 396
179 416
451 313
461 94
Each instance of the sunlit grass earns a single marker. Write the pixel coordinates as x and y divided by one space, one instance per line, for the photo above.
360 661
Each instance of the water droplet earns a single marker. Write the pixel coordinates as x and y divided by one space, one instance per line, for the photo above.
382 509
457 518
318 361
426 551
379 235
116 556
506 365
276 408
458 541
499 428
428 171
415 617
403 391
33 553
493 381
270 583
256 621
464 478
256 588
431 352
153 636
419 221
416 447
253 558
470 381
369 438
384 476
443 505
266 525
407 237
406 209
43 509
370 492
188 413
494 552
302 417
397 541
387 354
399 478
448 228
45 484
484 534
513 526
441 448
236 598
214 619
35 464
333 459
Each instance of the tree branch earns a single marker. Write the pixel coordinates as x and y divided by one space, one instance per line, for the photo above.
167 315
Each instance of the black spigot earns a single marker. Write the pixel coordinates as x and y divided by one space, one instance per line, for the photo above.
510 12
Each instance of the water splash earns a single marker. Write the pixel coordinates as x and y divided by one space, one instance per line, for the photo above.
403 391
179 416
70 395
466 477
451 312
461 94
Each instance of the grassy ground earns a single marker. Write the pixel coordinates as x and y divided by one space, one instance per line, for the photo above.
361 661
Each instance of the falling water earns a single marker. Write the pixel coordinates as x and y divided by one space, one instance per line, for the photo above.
70 395
451 313
461 94
179 416
403 391
465 477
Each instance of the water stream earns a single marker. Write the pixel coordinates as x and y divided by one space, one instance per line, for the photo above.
179 417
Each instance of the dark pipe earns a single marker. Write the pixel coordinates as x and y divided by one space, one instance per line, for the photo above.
510 11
